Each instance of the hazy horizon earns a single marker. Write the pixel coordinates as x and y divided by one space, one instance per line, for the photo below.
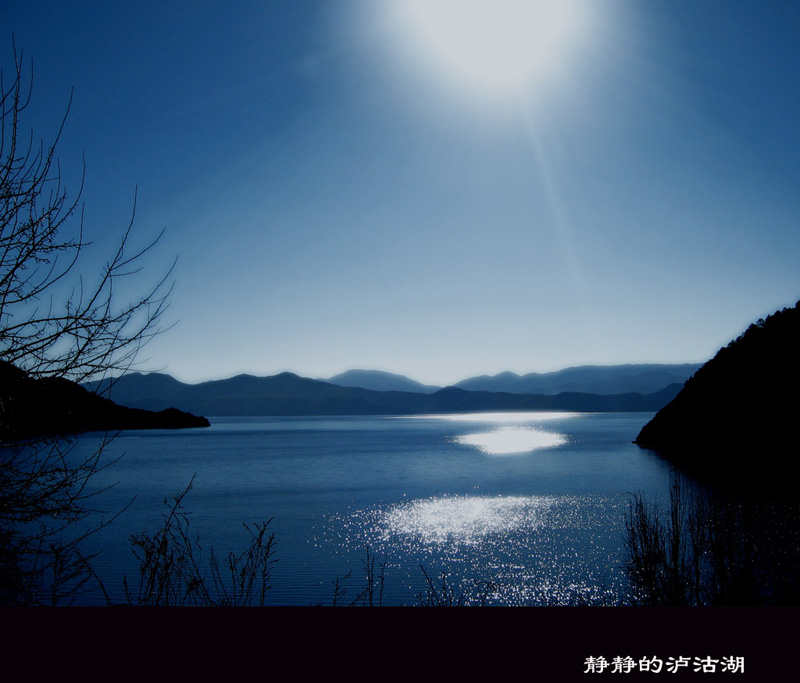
354 184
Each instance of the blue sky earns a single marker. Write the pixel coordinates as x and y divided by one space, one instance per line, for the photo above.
341 196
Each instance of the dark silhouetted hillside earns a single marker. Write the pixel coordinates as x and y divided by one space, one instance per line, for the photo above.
740 410
57 407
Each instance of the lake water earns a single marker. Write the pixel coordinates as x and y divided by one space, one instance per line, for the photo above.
531 503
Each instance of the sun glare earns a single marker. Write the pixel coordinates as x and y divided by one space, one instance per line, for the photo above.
500 46
512 440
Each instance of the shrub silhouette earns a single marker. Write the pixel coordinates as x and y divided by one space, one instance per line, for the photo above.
172 571
712 548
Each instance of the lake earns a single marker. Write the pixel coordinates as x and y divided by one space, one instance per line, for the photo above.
511 508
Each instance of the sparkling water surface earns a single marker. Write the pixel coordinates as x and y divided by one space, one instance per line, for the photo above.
501 508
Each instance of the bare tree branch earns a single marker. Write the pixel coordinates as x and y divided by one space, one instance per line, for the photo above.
55 321
45 331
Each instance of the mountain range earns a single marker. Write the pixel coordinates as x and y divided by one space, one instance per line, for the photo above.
289 394
592 379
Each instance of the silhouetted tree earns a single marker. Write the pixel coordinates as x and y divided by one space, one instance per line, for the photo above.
46 328
54 322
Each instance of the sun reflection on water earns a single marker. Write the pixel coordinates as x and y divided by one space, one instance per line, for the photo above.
465 520
513 433
504 418
533 550
512 440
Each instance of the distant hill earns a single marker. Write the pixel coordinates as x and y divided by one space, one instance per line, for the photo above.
593 379
590 379
32 408
288 394
378 380
739 411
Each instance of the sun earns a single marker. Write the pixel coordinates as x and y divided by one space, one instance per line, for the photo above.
499 46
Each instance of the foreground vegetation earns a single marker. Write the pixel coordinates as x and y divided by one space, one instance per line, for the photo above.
713 547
